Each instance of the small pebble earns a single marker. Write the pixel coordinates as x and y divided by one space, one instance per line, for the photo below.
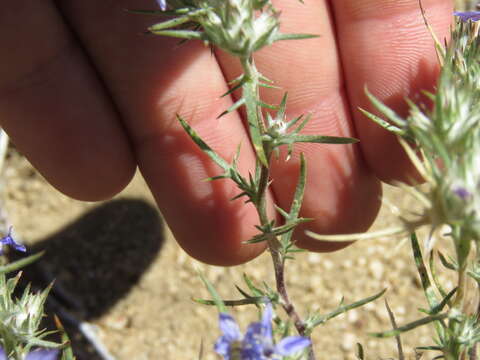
349 341
376 269
400 310
118 322
352 316
314 258
327 264
361 261
315 282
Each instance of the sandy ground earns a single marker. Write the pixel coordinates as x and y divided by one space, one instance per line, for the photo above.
118 267
123 272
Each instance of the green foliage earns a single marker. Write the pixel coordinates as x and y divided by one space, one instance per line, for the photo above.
67 353
317 319
20 319
229 25
19 264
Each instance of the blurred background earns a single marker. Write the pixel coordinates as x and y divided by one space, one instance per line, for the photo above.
466 5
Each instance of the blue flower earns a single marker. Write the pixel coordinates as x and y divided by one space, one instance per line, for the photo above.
257 344
462 193
39 354
8 240
468 15
162 4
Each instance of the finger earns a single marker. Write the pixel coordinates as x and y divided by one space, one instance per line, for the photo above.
54 108
341 194
386 46
152 79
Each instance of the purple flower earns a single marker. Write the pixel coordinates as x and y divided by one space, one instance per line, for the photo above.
462 193
8 240
162 4
468 15
257 344
39 354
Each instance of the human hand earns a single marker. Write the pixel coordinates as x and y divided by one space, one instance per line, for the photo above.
86 97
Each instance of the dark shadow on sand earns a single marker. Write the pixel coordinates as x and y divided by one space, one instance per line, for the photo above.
96 260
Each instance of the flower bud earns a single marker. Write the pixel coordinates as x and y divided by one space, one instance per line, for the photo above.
233 26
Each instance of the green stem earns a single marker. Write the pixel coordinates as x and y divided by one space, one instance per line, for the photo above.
461 283
20 355
254 113
251 94
256 124
462 248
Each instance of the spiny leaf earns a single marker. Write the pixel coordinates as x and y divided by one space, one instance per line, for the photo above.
264 78
431 347
181 34
243 292
385 110
410 326
299 189
302 124
250 300
254 123
45 343
17 265
242 194
67 353
267 106
216 298
291 224
168 24
145 12
176 12
297 200
397 337
433 272
280 37
448 264
422 271
218 177
150 12
258 238
281 211
238 84
203 146
295 120
385 124
360 353
282 107
319 139
445 301
266 228
279 230
255 291
232 108
296 250
268 86
341 309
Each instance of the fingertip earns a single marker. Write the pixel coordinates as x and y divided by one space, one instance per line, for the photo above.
323 246
92 183
391 164
354 213
223 255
